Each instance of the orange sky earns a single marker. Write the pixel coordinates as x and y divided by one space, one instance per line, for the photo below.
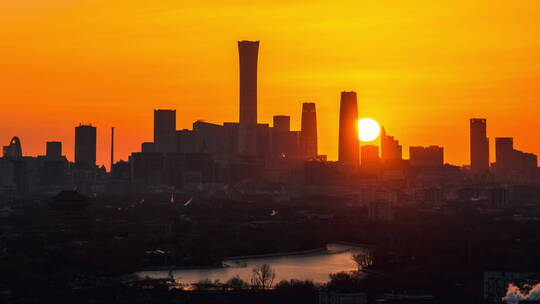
421 68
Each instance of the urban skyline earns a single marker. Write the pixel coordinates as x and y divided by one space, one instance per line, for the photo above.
250 150
165 126
352 151
116 89
269 152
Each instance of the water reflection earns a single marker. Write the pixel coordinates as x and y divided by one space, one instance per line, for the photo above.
314 266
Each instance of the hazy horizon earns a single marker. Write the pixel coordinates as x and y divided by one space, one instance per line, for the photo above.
421 69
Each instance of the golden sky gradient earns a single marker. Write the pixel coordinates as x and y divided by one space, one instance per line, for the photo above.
421 68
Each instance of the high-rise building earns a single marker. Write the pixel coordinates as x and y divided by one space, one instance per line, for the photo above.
479 146
348 129
309 130
281 136
85 146
369 155
432 156
391 150
187 141
504 151
165 131
294 145
247 140
54 150
282 123
504 148
512 164
53 170
210 137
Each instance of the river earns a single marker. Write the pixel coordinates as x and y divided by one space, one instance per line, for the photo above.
315 266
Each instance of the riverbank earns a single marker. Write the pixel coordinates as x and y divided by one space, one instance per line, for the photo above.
314 265
236 259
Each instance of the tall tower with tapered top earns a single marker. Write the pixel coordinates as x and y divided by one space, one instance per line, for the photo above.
348 130
309 130
247 133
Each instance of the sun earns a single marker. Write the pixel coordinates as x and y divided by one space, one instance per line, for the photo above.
368 129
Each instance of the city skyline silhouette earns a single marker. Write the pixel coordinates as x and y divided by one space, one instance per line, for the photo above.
291 152
263 145
170 116
418 86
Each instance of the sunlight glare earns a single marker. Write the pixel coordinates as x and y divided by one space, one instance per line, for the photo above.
368 129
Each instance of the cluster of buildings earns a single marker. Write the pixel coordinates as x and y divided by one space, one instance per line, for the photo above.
510 165
21 175
229 153
241 153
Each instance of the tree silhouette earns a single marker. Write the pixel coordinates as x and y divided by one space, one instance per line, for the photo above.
362 259
262 276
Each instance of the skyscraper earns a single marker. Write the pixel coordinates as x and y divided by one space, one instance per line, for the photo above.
391 150
479 146
54 150
85 146
165 131
512 164
53 170
309 130
247 140
504 151
348 129
281 136
282 123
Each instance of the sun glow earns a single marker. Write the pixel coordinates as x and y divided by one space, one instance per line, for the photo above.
368 129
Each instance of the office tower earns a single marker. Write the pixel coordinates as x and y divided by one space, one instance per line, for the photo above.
391 150
504 146
53 170
211 137
85 146
165 131
187 141
54 150
294 145
282 123
309 130
504 151
512 164
348 129
281 136
147 147
369 155
479 146
526 164
432 156
248 51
